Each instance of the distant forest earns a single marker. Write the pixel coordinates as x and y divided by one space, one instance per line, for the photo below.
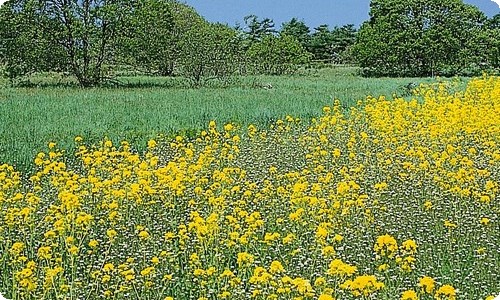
92 40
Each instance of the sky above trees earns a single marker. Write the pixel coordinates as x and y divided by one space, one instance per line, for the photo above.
313 12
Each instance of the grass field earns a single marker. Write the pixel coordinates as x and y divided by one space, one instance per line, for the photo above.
390 200
31 117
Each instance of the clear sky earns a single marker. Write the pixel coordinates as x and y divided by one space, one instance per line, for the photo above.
313 12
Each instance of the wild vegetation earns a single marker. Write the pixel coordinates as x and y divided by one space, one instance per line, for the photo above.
393 199
146 153
46 109
93 40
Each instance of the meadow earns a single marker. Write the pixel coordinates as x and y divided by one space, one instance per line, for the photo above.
393 198
146 107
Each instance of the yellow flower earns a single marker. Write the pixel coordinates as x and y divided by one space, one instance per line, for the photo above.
244 258
339 268
485 221
44 252
73 250
147 271
199 272
111 233
289 238
446 292
485 199
302 285
93 243
108 267
16 248
363 285
319 281
409 246
383 267
328 251
276 267
151 144
386 245
449 224
325 297
427 284
143 235
409 295
428 205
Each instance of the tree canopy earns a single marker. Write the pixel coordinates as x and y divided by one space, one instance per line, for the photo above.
423 38
89 39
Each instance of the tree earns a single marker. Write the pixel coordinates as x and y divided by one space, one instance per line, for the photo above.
343 38
297 29
185 21
257 29
418 37
491 41
277 55
332 45
23 47
320 43
78 36
209 51
150 41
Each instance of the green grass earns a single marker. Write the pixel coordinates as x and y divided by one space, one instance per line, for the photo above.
31 117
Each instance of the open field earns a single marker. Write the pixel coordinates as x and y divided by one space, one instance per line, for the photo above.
31 117
393 199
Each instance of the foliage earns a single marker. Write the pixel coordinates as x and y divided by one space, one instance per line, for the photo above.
75 36
23 46
277 55
391 198
51 109
297 29
422 38
209 51
150 41
332 45
256 29
185 20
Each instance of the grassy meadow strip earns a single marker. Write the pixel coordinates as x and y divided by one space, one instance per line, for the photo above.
393 199
30 117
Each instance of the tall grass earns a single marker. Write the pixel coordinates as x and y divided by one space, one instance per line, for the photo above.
32 116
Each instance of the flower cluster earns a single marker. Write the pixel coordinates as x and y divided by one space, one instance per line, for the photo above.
392 197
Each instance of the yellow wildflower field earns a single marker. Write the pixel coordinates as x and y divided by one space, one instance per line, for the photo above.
394 199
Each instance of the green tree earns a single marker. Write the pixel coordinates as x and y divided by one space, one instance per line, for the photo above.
277 55
343 38
151 41
492 43
78 36
257 29
320 43
297 29
185 21
419 38
209 51
23 47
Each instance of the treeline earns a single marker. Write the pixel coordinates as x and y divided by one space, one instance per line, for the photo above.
427 38
91 39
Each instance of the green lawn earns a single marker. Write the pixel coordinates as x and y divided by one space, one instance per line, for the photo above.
31 117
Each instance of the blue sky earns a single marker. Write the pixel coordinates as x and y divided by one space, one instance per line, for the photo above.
313 12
